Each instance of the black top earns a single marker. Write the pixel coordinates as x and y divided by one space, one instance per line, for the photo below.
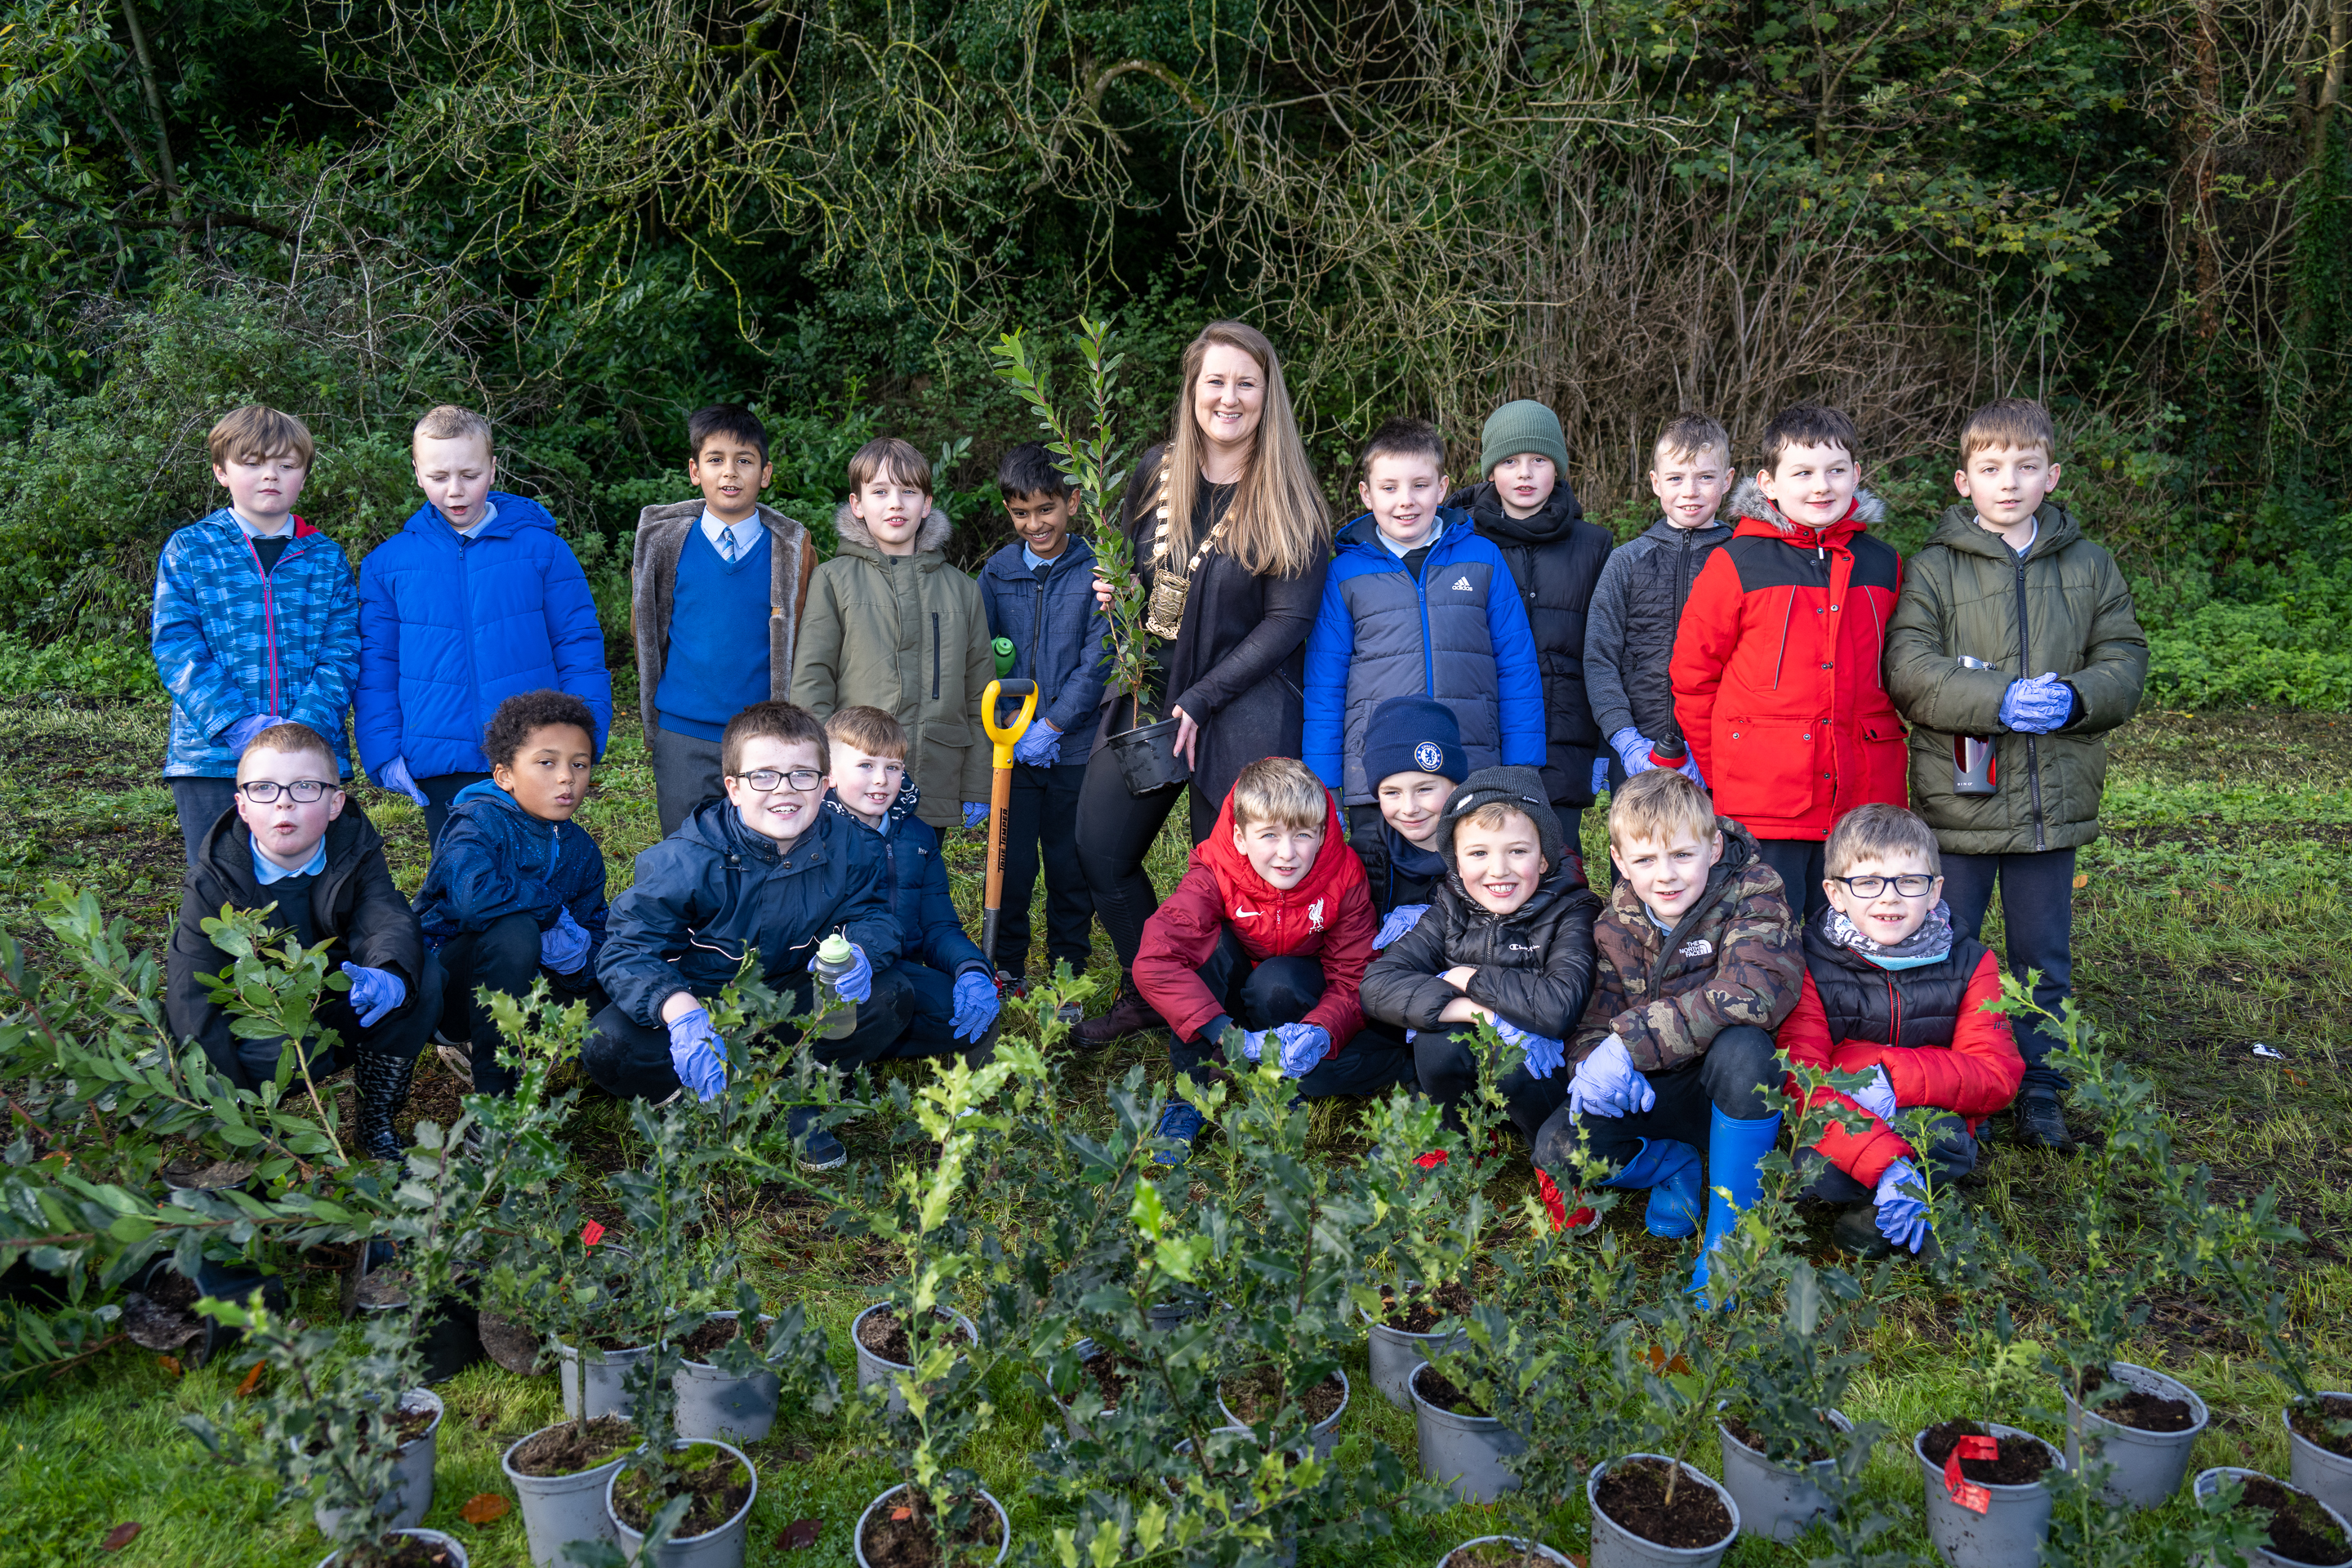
270 546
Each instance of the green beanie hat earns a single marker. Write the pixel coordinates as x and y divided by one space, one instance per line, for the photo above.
1525 425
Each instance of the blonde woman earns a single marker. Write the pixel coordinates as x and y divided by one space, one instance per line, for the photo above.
1237 482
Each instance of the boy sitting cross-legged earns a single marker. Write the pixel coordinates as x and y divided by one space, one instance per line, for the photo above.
951 995
294 841
516 887
1890 987
1674 1058
1262 947
765 870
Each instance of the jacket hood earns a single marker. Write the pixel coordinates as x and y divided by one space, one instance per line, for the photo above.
1009 566
1666 532
689 510
226 856
226 517
931 535
1238 882
1749 504
1362 533
1739 851
909 799
1555 521
513 514
1959 532
1519 787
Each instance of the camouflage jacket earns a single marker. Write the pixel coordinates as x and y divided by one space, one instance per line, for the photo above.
1736 958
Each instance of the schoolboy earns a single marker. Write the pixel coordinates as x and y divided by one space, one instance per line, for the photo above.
2009 580
1260 951
951 994
1038 591
1526 507
1640 600
1507 938
477 598
856 648
256 621
1413 746
296 842
716 590
516 887
1673 1063
1415 603
767 869
1891 989
1776 662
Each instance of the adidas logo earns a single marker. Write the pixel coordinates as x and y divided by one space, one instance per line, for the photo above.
1462 586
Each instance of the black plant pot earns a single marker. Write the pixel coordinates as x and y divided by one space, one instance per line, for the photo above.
225 1282
1147 757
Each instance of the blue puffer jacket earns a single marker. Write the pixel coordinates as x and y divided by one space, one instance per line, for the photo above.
232 641
452 627
714 888
496 859
1450 636
929 933
1058 634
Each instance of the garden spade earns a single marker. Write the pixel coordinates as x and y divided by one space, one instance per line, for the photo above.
1000 798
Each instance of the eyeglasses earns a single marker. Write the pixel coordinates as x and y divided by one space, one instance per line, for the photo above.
264 792
1911 885
766 780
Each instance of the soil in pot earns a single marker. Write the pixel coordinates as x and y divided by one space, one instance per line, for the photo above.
1434 1388
569 1448
411 1423
1493 1554
2135 1408
2299 1526
882 1334
2311 1425
2020 1463
1110 1372
701 1344
1256 1394
1814 1452
900 1535
1634 1493
408 1552
718 1484
1419 1311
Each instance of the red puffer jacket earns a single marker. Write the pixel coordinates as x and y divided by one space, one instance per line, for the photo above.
1329 916
1777 676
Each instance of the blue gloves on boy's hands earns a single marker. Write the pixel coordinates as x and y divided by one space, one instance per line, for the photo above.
976 1002
2038 706
1901 1216
394 776
564 946
698 1055
1544 1052
241 733
1400 920
857 983
1632 749
975 812
1038 745
1302 1046
1600 774
1607 1083
1878 1096
375 992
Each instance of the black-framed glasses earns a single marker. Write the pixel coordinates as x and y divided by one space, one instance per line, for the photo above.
1911 885
264 792
767 780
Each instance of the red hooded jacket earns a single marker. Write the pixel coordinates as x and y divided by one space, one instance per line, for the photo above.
1329 916
1777 672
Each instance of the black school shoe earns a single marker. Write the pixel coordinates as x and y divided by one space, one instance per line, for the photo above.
1857 1232
2042 1125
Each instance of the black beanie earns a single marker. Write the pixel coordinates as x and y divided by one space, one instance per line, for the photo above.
1520 788
1413 735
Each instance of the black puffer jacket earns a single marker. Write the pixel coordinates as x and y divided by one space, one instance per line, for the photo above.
1858 999
1636 612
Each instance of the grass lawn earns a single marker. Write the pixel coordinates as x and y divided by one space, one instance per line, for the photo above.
2210 917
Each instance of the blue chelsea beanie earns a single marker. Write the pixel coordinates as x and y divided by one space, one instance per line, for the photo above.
1413 735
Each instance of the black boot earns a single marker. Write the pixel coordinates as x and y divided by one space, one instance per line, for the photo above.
382 1079
1128 1014
2041 1124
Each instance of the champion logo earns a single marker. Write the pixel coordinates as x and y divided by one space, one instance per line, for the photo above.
1462 585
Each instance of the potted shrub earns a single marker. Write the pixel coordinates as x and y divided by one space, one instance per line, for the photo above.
730 1386
1652 1506
1988 1503
558 1474
2298 1529
1435 1211
675 1501
1781 1433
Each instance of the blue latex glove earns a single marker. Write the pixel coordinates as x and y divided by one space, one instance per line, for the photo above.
1302 1046
1607 1084
1253 1041
975 1006
564 946
241 733
698 1055
1544 1052
1689 770
1901 1216
1400 920
1878 1096
975 812
394 776
1600 774
375 992
2038 706
857 984
1038 745
1632 749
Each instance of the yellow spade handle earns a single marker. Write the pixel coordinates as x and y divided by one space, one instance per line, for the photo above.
1005 738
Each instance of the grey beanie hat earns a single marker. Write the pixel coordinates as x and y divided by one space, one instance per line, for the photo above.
1519 787
1525 425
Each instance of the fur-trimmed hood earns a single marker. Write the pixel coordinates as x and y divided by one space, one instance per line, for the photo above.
931 535
1748 500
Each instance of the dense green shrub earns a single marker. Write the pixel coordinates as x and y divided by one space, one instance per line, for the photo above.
2283 639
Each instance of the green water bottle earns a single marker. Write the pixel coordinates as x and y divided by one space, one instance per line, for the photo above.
1002 648
833 960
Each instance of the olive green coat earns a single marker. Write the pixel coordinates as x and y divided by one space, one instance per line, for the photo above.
909 635
1968 593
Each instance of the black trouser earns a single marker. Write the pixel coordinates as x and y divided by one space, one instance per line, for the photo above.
630 1061
1116 831
198 803
1739 1076
504 958
686 773
1801 868
1044 816
1446 1062
1262 993
401 1033
439 791
929 1026
2037 914
1951 1154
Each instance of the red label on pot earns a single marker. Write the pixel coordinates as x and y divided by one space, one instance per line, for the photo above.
1965 1492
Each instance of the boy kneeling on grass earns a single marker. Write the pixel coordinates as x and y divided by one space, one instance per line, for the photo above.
292 839
1675 1056
1262 947
1890 987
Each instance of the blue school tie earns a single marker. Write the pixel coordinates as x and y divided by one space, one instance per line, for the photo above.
727 544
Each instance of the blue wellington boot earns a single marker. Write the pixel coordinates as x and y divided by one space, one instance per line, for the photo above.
1734 1151
1670 1170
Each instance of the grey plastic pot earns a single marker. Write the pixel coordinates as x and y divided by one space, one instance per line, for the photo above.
1614 1546
560 1510
1777 1501
1517 1543
1167 1315
1325 1432
857 1540
598 1385
874 1372
432 1537
415 1467
711 1403
2208 1480
2149 1465
2326 1475
720 1548
1394 1354
2012 1529
1077 1428
1465 1452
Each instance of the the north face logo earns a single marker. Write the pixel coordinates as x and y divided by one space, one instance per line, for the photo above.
1697 947
1462 586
